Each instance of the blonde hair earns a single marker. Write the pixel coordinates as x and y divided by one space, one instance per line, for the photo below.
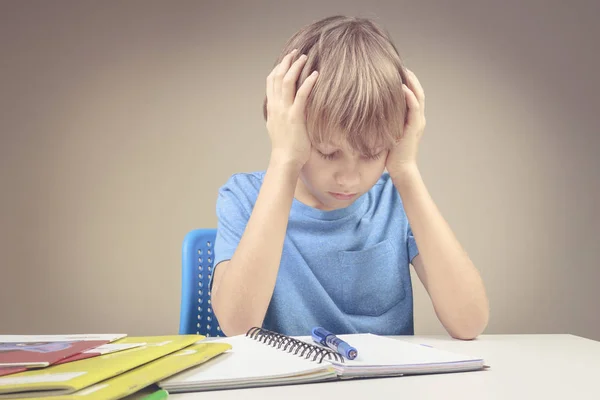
358 93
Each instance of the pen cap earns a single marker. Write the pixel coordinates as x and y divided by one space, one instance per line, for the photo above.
319 334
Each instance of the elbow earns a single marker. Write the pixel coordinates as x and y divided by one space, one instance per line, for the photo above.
230 320
232 327
223 309
233 309
465 334
233 330
470 328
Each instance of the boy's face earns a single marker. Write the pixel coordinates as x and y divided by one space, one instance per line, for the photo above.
335 175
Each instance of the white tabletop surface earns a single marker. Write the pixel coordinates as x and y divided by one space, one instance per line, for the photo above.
521 367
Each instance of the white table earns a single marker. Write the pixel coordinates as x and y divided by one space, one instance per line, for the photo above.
562 367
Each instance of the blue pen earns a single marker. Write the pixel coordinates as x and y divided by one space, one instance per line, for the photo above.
325 338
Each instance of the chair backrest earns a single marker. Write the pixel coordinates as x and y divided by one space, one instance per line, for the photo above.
196 315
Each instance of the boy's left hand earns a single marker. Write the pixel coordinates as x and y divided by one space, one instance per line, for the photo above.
404 153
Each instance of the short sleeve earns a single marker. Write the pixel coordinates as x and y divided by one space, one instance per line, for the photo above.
231 223
235 202
411 244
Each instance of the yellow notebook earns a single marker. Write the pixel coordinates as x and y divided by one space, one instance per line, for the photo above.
73 376
147 374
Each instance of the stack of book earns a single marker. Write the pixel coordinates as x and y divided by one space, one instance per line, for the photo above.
105 366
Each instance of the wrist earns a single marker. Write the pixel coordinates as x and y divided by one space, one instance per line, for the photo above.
404 169
405 174
285 161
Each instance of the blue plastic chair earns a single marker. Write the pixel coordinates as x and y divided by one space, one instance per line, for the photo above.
196 315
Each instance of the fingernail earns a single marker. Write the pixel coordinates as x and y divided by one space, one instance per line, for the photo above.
294 51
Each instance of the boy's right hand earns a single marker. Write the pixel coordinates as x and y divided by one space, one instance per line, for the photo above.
286 110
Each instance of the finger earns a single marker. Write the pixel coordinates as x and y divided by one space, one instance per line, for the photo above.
304 91
269 88
413 106
280 71
288 89
416 87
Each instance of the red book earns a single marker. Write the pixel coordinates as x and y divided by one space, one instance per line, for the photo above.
42 354
11 370
78 356
97 351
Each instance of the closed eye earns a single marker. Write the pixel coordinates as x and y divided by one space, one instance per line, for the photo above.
329 156
333 155
374 157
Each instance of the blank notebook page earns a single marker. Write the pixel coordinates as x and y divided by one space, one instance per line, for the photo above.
379 355
382 351
248 360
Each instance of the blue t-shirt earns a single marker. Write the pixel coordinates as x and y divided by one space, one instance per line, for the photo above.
346 270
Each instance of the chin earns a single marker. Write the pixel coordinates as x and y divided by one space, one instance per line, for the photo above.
336 204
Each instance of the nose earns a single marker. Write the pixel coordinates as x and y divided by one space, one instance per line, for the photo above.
348 176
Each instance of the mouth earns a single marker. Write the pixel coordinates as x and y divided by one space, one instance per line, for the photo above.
343 196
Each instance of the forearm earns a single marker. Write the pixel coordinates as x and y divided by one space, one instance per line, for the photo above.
452 281
243 291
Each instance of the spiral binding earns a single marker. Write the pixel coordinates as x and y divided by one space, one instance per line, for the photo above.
299 347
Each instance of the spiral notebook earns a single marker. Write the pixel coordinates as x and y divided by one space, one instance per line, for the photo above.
265 358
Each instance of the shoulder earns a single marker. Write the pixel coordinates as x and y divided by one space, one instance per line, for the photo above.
243 183
385 198
384 180
384 188
239 193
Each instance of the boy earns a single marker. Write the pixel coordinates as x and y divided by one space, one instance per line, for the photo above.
325 237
